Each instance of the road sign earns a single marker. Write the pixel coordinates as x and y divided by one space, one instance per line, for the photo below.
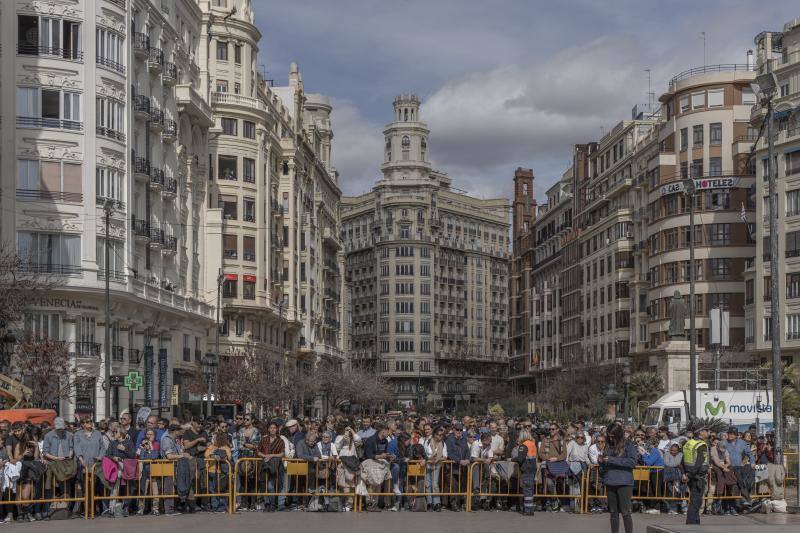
117 380
134 380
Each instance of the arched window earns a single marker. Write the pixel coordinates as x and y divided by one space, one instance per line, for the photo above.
405 115
388 150
406 143
424 148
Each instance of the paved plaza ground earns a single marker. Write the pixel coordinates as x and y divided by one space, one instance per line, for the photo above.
385 522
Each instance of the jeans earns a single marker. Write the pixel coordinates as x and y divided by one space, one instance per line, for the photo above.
432 484
218 483
619 502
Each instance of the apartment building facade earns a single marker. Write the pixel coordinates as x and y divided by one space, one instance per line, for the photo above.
778 52
109 113
427 270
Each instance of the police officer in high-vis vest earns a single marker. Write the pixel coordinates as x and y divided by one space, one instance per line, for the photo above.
695 466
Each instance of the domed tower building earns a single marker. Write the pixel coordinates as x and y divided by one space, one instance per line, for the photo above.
426 275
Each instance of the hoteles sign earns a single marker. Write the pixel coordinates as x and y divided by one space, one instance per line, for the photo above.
700 184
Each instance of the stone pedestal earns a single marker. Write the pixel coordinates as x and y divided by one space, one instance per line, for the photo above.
671 361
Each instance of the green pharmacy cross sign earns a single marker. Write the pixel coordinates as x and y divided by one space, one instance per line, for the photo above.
134 380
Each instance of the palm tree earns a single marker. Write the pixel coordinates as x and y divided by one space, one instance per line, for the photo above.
645 387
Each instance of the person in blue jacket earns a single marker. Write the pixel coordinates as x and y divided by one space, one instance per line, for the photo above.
616 467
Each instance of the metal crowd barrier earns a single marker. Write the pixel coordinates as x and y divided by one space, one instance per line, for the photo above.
48 493
295 479
490 483
155 481
452 481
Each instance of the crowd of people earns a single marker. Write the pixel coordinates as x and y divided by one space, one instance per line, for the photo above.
417 463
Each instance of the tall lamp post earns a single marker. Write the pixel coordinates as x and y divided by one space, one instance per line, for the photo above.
766 86
209 373
690 190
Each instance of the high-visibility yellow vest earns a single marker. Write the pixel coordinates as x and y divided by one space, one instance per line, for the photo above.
690 451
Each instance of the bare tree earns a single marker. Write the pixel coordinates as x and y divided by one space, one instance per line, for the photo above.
45 365
20 284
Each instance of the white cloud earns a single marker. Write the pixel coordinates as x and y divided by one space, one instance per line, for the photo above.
357 147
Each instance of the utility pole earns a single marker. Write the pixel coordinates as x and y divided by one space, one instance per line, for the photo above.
777 367
108 206
690 190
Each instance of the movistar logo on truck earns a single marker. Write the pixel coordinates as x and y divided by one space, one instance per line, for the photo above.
736 408
717 410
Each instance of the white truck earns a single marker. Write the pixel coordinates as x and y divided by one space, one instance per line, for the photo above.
740 408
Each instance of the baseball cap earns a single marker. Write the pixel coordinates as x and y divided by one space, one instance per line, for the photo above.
458 426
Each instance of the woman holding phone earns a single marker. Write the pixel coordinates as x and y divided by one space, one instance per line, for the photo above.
616 466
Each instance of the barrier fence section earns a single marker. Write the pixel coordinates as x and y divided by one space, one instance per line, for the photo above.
47 493
203 482
417 483
321 484
502 479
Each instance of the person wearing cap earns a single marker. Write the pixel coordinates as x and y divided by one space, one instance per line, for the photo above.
739 449
695 467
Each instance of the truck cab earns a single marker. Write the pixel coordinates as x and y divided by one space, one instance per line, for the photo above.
670 410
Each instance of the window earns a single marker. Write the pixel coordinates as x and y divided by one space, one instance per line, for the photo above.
49 36
49 180
698 100
718 199
248 248
748 98
684 103
237 88
792 163
227 167
405 232
110 118
792 327
720 234
230 286
110 49
222 50
720 268
237 54
230 247
50 252
792 244
715 133
684 138
424 252
793 285
249 129
404 251
229 126
792 203
697 136
425 270
239 326
229 204
403 307
404 346
404 270
784 90
109 183
404 326
249 210
222 86
425 307
48 108
249 290
716 97
249 170
116 258
714 166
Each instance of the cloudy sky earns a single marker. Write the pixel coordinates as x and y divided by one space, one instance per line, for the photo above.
504 83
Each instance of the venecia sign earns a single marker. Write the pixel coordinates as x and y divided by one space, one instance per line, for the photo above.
700 184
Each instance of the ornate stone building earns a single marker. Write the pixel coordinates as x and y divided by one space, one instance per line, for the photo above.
427 275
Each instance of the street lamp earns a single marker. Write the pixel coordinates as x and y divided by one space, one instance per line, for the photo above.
766 86
690 190
209 373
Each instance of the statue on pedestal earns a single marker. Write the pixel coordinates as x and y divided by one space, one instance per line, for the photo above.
677 317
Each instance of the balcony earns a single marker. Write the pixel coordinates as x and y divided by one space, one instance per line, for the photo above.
708 69
169 131
189 101
141 167
35 49
169 76
170 187
85 350
170 245
156 120
118 3
155 61
156 178
48 196
249 255
108 133
156 237
141 45
48 122
237 99
198 356
141 106
110 64
230 253
141 229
